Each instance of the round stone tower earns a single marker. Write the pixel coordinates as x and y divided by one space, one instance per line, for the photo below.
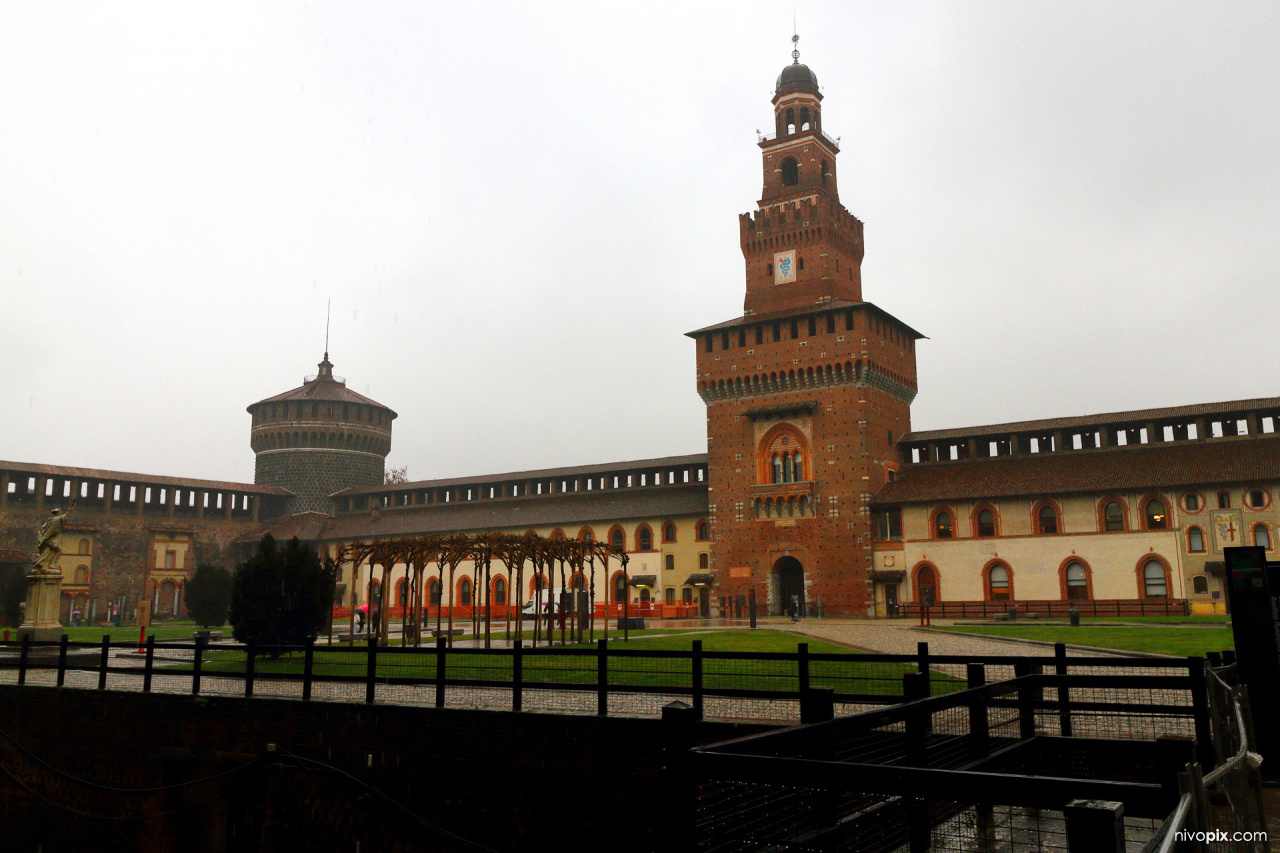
318 439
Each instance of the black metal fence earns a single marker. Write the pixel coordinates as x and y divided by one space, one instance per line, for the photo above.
600 679
1067 754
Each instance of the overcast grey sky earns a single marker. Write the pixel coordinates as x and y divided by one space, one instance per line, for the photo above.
519 208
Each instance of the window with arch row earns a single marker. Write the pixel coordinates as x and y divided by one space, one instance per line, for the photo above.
1076 582
999 583
1155 581
1047 520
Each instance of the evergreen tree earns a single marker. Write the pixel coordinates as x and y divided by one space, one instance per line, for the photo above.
208 595
281 595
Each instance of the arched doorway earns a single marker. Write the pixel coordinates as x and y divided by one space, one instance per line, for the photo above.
788 586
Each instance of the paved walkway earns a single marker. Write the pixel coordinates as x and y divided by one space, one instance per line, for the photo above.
901 636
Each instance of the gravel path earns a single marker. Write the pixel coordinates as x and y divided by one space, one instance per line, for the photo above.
901 636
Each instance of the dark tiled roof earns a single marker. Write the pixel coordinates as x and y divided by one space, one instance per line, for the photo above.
543 473
1138 416
323 390
568 510
1131 468
147 479
817 307
307 526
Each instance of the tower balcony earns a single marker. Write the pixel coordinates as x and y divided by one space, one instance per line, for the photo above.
784 500
763 139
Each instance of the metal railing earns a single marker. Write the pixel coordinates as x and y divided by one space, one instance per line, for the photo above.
1015 764
603 678
1223 808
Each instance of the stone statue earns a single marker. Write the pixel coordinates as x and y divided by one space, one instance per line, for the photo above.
50 539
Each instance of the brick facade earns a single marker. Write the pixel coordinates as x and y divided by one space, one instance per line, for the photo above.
809 369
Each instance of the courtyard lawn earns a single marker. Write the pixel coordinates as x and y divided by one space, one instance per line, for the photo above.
848 675
1159 640
129 633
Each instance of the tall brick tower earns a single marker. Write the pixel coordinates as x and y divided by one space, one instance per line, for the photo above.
808 391
318 439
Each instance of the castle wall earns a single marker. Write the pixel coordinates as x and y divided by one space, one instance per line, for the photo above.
314 474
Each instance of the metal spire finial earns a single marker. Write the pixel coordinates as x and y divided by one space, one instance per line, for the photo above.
795 40
327 304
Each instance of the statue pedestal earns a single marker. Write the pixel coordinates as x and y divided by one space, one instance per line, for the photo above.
44 600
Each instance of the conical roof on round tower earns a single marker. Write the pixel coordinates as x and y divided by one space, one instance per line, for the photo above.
324 386
320 438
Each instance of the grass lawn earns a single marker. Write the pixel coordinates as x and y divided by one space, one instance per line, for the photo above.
1165 641
128 633
848 675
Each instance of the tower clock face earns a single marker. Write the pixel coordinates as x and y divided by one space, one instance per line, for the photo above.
784 267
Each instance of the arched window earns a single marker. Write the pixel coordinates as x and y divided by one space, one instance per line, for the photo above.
998 583
644 539
790 172
780 455
1195 540
1154 582
1047 519
375 592
804 118
704 561
704 531
402 593
84 546
433 591
1077 582
499 591
82 574
1191 501
1113 516
825 173
1157 519
464 592
619 587
927 586
1200 585
1262 536
688 594
986 523
671 562
618 539
668 532
942 525
645 596
586 535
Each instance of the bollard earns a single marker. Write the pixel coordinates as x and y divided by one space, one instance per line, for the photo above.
1074 615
